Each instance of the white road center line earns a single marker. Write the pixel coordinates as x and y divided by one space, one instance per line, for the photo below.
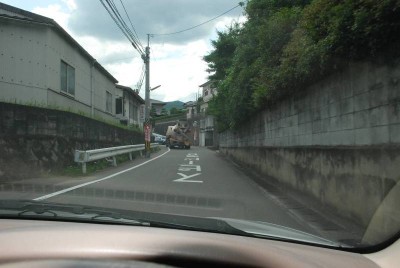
95 181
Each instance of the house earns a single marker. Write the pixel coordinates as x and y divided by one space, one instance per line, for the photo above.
157 106
191 109
128 106
207 133
208 92
41 64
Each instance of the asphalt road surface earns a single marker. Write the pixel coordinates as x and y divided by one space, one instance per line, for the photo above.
195 182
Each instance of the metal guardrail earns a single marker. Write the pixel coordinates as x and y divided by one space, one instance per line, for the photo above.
92 155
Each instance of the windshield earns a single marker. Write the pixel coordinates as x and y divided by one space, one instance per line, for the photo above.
263 118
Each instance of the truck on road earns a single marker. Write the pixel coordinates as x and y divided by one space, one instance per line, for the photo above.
176 136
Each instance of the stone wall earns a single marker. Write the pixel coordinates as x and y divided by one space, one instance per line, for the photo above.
337 142
33 140
359 106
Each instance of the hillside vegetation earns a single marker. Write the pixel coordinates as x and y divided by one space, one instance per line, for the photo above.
285 45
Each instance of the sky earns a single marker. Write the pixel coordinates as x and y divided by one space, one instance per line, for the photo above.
175 60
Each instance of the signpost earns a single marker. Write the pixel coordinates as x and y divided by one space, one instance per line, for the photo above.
147 138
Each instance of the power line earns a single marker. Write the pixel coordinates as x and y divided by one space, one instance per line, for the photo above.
116 12
112 10
135 41
198 25
141 79
131 23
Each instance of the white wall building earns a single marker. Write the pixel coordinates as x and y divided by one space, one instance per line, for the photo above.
191 109
127 106
41 64
207 132
157 106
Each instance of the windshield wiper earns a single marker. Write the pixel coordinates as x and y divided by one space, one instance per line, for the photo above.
78 213
34 209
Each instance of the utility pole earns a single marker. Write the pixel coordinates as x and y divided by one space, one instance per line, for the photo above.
147 123
147 82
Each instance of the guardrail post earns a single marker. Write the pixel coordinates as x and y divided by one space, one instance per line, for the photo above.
84 168
130 156
114 161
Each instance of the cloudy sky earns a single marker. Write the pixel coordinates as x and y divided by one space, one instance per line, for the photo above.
176 60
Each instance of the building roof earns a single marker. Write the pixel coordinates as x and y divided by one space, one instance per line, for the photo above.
10 12
131 91
206 83
190 104
157 102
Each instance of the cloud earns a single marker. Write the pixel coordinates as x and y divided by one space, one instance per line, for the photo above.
176 61
180 73
152 16
56 12
70 4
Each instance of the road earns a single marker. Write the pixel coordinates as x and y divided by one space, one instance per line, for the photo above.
197 182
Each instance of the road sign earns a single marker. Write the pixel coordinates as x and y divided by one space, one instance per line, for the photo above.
147 133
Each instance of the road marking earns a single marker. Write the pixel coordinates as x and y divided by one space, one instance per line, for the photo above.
185 178
189 167
184 167
99 180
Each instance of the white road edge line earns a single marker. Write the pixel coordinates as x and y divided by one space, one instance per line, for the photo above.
99 180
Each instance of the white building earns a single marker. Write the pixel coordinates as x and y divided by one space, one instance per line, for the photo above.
191 109
41 64
128 105
157 106
207 135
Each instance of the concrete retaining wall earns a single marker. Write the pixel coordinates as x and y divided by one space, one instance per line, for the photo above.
338 141
34 140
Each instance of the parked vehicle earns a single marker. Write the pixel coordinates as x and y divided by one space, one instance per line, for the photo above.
160 139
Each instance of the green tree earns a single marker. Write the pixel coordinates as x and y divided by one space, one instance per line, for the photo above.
220 59
257 45
174 110
285 45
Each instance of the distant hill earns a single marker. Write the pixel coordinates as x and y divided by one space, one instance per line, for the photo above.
174 104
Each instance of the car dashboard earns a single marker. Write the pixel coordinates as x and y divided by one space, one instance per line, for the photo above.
35 243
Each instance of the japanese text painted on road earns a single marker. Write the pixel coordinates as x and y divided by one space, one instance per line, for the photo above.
189 167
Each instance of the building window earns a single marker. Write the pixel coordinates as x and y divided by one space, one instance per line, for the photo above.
67 78
108 102
205 92
119 106
132 111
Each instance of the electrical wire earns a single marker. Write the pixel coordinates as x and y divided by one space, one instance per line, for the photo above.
134 40
131 24
112 10
114 19
241 4
141 79
116 12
